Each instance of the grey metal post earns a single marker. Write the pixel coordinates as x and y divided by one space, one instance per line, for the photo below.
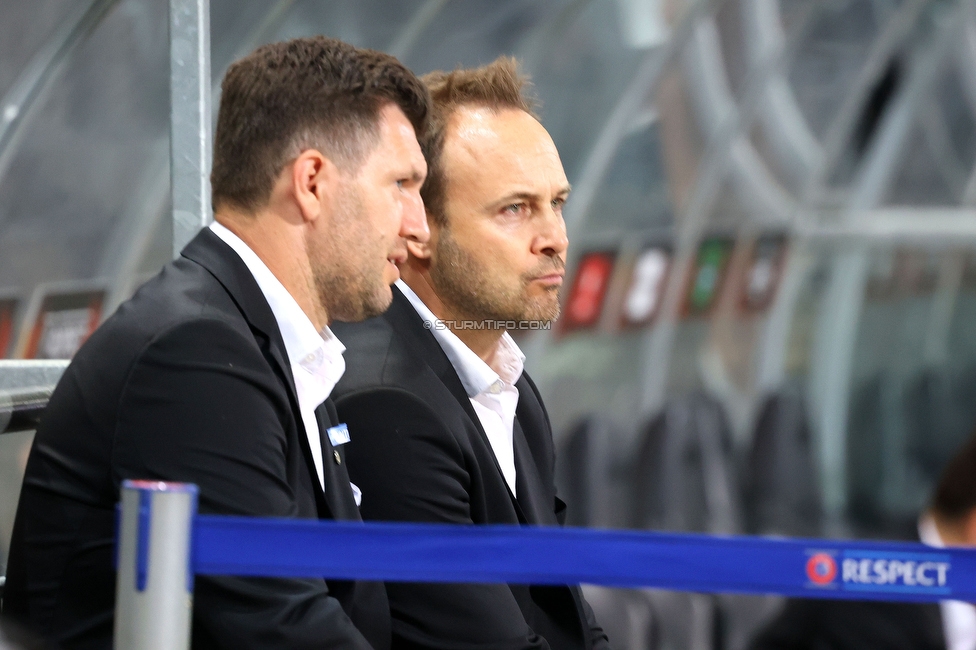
189 60
154 588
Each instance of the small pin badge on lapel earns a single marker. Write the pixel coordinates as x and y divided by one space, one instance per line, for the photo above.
338 435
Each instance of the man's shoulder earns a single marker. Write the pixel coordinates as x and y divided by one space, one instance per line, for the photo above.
387 370
207 281
363 338
369 347
182 300
182 292
383 351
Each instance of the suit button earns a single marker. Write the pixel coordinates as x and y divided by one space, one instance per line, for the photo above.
335 454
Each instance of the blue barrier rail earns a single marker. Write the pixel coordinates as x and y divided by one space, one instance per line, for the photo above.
521 554
163 543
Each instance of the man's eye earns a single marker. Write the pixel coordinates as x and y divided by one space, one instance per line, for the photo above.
557 204
400 183
515 208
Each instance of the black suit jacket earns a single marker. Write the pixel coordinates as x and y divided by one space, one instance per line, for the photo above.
853 625
419 453
188 381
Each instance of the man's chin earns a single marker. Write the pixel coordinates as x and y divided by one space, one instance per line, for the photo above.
543 311
368 306
391 273
379 304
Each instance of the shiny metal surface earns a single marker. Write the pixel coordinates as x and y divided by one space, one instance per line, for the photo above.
21 409
190 116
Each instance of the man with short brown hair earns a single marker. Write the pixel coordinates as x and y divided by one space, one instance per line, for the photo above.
218 371
445 426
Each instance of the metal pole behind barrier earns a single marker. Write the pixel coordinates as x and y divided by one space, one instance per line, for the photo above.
190 117
154 589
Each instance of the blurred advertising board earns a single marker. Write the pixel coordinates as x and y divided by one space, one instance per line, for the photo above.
60 319
588 291
707 275
648 282
8 323
763 272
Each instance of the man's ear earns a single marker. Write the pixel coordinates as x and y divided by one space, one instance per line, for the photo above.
313 181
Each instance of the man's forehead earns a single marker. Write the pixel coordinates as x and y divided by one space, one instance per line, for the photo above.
507 140
473 123
393 122
397 133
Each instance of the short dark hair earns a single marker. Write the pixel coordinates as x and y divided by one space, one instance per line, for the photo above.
497 85
955 495
307 93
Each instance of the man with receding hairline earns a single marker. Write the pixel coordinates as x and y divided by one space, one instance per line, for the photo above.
445 425
218 371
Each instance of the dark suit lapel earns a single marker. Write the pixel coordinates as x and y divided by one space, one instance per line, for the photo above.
408 323
532 494
532 439
339 501
209 251
535 491
212 253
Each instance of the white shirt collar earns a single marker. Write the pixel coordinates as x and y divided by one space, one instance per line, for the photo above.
317 353
928 533
476 376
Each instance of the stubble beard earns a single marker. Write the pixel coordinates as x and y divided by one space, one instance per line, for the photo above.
347 278
461 281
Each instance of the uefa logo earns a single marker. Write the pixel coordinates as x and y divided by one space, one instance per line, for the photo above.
821 569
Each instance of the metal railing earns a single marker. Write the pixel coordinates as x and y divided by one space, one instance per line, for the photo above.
21 409
163 544
25 388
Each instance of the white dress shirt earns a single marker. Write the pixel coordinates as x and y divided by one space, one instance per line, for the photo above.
491 389
958 617
315 357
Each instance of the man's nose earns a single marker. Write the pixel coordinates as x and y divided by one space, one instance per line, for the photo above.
553 239
414 224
